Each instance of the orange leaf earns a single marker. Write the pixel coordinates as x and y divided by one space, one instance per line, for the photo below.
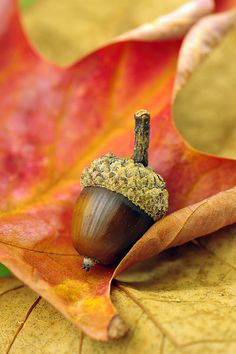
184 225
54 121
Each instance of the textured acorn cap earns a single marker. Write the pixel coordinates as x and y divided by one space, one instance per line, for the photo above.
141 185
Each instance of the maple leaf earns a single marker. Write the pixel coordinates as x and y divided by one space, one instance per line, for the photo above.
49 116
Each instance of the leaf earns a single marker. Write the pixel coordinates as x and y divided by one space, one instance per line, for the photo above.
174 25
205 36
182 301
53 112
184 225
4 271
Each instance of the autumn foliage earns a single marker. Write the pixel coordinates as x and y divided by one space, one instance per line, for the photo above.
54 121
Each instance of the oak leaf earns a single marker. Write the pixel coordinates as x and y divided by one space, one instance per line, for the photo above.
40 172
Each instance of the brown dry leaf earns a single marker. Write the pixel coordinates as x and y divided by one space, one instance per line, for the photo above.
180 302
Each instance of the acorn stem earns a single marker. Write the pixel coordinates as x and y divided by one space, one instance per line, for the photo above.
88 263
142 133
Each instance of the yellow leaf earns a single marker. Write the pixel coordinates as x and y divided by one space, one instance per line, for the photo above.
180 302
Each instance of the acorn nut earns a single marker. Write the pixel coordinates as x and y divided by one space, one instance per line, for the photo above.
121 199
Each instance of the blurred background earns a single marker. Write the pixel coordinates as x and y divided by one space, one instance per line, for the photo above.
205 111
66 30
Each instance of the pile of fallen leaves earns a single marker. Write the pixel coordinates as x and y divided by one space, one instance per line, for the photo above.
54 121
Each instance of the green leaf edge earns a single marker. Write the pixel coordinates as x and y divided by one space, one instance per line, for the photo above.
4 271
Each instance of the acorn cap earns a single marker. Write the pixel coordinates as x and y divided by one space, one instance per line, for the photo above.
141 185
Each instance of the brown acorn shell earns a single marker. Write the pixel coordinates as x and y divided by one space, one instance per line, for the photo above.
106 224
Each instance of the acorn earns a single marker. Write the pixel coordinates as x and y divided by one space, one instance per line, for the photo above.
121 199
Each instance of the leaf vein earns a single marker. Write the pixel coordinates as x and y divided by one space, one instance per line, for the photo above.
12 289
200 244
38 251
81 342
22 324
156 323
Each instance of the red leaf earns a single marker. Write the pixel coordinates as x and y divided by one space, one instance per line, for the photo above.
54 121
